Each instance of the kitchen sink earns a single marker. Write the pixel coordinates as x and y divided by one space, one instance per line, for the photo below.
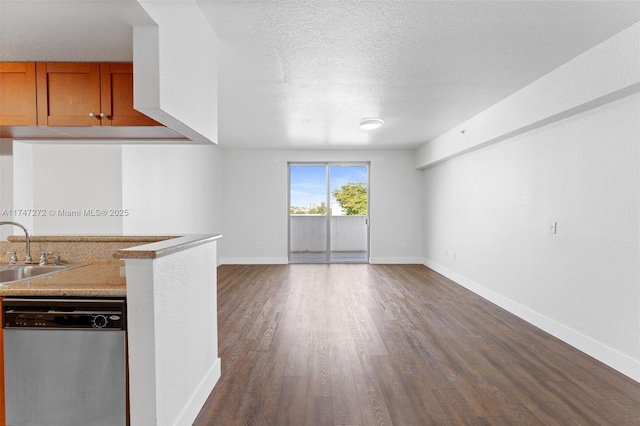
12 273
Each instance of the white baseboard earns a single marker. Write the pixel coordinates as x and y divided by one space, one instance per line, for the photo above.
623 363
253 261
200 394
397 260
284 260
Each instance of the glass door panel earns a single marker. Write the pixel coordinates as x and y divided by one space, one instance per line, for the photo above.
349 220
308 219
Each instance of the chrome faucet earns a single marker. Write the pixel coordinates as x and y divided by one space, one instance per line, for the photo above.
44 257
27 257
13 259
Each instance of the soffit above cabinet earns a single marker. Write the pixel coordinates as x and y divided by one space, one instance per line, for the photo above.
119 134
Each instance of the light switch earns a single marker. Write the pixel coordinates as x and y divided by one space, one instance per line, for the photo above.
553 227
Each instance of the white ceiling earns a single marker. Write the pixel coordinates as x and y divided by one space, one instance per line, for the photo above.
302 74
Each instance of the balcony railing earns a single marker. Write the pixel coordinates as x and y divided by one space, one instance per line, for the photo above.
308 233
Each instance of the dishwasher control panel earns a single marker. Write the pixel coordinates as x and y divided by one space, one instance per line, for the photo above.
95 314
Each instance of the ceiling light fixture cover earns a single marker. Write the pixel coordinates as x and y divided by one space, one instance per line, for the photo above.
371 123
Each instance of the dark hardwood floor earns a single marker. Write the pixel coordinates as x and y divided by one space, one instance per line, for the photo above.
348 344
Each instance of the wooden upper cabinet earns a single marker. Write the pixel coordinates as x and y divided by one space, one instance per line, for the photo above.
68 94
117 97
18 94
87 94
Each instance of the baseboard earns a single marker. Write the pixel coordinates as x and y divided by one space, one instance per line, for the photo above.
396 260
603 353
284 260
253 261
200 394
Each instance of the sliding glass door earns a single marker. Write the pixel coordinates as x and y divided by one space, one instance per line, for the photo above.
308 200
328 212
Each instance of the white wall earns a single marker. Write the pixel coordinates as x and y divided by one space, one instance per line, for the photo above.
85 178
172 189
487 212
255 204
177 189
6 187
164 189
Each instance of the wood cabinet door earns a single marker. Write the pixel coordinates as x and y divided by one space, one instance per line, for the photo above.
18 94
68 94
117 97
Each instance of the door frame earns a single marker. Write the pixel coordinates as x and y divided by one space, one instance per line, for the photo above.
328 165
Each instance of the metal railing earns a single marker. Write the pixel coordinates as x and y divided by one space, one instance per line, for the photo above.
308 233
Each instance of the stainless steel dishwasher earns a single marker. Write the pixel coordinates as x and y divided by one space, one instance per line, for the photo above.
65 361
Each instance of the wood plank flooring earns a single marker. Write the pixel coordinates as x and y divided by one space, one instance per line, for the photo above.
342 344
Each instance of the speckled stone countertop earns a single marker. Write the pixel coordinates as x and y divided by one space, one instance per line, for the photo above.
94 238
93 280
103 272
77 249
102 276
166 247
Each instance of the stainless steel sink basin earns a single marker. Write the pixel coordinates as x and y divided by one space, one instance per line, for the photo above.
13 273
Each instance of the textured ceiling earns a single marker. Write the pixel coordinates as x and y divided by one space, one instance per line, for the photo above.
302 74
69 30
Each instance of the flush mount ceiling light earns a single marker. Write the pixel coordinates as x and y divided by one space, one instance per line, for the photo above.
371 123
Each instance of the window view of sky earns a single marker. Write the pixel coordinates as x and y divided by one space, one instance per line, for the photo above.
309 182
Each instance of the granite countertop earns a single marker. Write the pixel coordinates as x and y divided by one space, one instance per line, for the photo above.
102 274
93 280
94 238
99 276
158 249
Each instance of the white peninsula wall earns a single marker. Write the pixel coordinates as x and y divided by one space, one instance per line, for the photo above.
172 328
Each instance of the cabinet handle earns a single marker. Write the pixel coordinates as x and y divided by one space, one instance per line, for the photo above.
103 115
92 114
